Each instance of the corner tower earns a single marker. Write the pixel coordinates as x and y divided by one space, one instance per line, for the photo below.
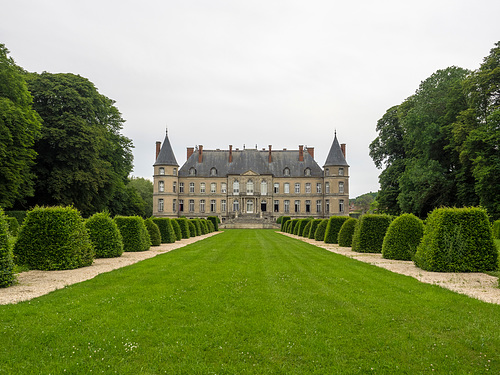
336 179
165 180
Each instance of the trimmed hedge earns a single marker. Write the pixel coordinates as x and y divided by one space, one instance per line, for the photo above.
288 225
154 232
346 232
333 228
53 238
369 233
204 226
403 237
166 229
214 220
183 223
211 227
284 220
457 240
307 228
7 275
12 225
319 235
293 224
496 229
192 228
19 215
177 229
105 235
134 233
312 229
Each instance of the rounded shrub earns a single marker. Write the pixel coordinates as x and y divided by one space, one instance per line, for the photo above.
319 235
203 227
293 223
53 238
154 232
278 220
457 240
193 232
134 233
369 233
284 221
403 237
312 228
177 229
167 233
333 228
7 275
307 228
211 227
346 232
105 235
296 228
496 229
183 223
215 222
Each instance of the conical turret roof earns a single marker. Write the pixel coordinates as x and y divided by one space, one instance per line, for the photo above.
166 155
335 156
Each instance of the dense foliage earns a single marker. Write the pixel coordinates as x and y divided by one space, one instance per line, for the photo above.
134 233
307 228
7 276
177 229
184 224
215 222
314 226
496 229
105 235
369 233
284 220
192 228
440 146
166 229
457 240
12 225
333 228
346 232
319 235
154 232
53 238
402 237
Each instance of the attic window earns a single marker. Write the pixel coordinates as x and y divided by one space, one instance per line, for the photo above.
192 171
213 172
307 172
286 171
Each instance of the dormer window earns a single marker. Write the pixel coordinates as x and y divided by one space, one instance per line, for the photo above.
192 171
213 172
307 172
286 171
161 171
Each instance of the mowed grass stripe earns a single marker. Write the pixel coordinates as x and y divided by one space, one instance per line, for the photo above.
250 301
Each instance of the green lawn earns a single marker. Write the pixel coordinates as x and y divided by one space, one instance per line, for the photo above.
250 301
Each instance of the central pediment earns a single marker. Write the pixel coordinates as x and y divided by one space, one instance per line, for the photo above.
249 173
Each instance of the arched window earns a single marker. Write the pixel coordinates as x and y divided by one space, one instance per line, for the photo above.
249 187
307 172
213 172
341 187
192 171
236 187
161 170
286 171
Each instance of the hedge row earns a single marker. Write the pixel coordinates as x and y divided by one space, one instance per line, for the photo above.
105 235
7 276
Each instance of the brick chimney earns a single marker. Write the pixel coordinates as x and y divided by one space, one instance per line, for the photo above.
270 157
310 150
200 155
190 151
301 153
158 147
230 153
342 147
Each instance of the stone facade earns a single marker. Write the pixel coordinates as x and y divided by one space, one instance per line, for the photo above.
257 184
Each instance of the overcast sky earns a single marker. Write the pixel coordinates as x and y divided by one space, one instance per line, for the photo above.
282 73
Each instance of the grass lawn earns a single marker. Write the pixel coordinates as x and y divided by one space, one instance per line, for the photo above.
250 301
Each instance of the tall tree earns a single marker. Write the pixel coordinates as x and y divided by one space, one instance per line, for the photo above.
82 157
19 126
145 189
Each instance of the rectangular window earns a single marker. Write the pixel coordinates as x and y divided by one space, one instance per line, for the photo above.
308 206
191 187
161 186
308 188
318 206
341 187
236 205
297 206
174 205
297 188
327 188
223 188
327 206
263 188
341 205
212 205
223 205
287 205
341 171
287 188
318 188
202 205
202 187
181 205
213 187
191 205
181 187
174 187
276 188
160 205
276 206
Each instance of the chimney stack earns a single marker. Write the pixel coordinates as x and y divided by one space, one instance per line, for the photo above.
158 147
270 157
342 147
190 151
230 153
301 153
200 155
311 151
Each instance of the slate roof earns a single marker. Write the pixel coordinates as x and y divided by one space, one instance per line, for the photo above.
335 156
251 160
166 155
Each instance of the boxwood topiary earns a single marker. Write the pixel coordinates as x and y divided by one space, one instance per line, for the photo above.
307 228
166 229
457 240
346 232
214 220
284 221
53 238
293 223
105 235
192 228
183 223
7 275
177 229
319 235
312 228
369 233
333 228
496 229
402 238
134 233
154 232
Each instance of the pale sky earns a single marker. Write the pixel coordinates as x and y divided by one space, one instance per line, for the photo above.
281 73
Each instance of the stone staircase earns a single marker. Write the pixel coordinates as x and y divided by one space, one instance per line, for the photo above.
250 221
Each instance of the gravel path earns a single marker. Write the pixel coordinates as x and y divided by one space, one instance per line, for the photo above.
476 285
33 284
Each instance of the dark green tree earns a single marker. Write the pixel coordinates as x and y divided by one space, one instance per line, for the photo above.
145 189
19 127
